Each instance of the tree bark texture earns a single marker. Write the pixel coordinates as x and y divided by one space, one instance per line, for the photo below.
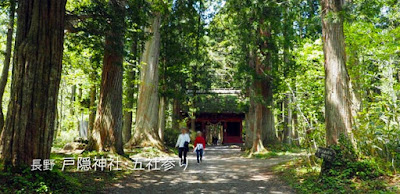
7 60
258 131
176 113
250 115
147 116
258 128
127 128
107 131
288 130
161 116
337 95
29 127
249 126
264 72
270 136
92 110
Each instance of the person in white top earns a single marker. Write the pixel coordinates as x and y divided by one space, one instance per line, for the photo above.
183 144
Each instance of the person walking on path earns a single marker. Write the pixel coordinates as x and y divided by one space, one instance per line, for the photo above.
199 146
183 145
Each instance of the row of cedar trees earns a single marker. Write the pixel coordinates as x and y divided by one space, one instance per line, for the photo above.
37 63
260 127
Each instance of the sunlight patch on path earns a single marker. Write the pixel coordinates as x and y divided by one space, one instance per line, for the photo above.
223 170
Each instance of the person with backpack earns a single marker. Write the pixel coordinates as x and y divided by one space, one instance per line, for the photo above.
183 145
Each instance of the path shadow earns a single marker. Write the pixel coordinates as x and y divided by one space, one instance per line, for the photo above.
223 170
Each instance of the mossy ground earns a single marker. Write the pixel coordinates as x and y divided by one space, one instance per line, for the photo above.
273 152
307 179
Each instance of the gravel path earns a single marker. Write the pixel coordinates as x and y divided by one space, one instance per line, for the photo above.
223 170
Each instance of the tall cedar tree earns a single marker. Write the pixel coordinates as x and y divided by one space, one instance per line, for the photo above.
337 96
107 131
29 126
7 60
146 133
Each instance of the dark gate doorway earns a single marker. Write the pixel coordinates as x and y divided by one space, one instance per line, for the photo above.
226 127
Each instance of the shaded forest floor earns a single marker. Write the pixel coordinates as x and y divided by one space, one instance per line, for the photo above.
305 178
223 170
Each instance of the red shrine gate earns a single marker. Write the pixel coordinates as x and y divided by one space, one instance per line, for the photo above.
228 125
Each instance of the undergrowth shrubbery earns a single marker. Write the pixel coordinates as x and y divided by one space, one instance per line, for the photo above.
348 172
348 164
23 180
170 136
26 181
65 137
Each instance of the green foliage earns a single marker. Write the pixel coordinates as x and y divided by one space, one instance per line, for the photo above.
185 63
224 103
64 137
4 21
361 177
171 136
307 87
275 151
372 49
39 182
203 49
266 155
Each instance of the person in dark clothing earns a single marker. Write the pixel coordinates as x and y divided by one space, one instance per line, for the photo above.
215 140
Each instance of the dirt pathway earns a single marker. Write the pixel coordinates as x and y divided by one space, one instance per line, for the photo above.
223 170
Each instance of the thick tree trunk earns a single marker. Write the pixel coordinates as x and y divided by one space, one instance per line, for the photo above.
92 110
127 128
29 127
270 136
161 116
288 70
59 114
7 60
261 118
176 114
288 131
193 122
107 131
337 95
146 133
249 126
264 71
258 128
295 112
250 115
56 125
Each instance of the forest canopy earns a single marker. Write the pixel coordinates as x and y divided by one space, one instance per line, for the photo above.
127 74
